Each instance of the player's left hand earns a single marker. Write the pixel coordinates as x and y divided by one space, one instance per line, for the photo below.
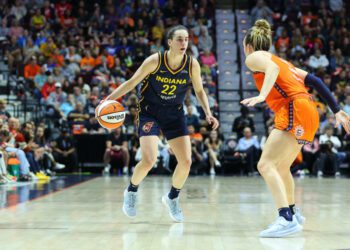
343 118
212 121
250 102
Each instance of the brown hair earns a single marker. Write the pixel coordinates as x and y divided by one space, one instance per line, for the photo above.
259 36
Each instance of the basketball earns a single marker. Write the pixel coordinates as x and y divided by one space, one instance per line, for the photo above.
110 114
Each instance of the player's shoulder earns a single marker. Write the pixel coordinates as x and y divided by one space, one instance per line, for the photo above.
258 55
153 59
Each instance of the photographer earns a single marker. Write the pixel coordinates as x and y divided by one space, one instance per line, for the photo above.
329 145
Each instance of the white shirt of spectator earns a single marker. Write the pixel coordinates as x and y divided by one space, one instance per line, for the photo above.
335 141
315 62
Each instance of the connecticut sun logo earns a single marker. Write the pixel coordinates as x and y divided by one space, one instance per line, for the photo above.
299 131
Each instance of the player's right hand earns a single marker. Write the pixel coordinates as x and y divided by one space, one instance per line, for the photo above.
344 119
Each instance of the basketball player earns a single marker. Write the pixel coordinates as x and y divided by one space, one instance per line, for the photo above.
283 87
165 78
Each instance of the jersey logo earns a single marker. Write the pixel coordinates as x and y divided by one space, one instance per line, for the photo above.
162 71
184 72
299 131
147 127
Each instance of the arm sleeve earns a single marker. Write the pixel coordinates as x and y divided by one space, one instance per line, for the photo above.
317 83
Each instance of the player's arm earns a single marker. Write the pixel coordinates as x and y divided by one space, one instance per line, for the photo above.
311 80
201 95
315 82
261 62
147 67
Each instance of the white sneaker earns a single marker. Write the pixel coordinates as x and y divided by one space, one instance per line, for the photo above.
281 227
337 174
173 207
106 169
125 170
217 164
319 173
59 166
299 217
212 171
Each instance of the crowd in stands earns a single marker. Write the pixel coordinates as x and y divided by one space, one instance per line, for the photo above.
314 36
71 54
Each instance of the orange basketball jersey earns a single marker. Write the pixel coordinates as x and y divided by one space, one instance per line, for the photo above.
295 112
288 84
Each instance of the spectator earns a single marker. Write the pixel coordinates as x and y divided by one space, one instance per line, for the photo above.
243 121
32 69
192 119
318 61
116 150
64 150
261 11
78 119
205 42
329 149
213 144
247 148
38 21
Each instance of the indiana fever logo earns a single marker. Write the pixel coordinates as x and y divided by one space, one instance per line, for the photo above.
147 127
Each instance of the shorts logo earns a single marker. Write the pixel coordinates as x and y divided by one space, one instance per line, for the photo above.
147 127
299 131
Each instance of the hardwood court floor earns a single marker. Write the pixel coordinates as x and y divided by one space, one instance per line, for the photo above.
220 213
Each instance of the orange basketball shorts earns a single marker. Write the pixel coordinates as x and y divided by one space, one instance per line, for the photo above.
300 118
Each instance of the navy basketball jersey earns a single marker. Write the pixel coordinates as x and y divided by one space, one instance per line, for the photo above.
167 86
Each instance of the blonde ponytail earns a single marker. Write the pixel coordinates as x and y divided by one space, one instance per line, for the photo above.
260 35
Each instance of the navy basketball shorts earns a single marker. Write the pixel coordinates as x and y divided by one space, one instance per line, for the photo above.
170 119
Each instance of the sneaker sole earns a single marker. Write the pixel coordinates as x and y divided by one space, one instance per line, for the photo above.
290 231
127 215
171 216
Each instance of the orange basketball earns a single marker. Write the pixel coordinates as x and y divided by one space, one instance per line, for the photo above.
110 114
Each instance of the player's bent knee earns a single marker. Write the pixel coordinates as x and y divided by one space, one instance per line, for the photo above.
263 167
186 163
149 161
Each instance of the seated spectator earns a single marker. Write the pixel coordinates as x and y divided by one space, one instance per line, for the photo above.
213 144
205 41
78 119
13 53
248 148
32 69
87 63
37 21
116 150
78 96
64 150
15 152
48 88
261 11
48 48
329 145
318 61
242 122
58 97
191 118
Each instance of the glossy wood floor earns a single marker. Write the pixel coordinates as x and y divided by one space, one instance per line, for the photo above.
220 213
